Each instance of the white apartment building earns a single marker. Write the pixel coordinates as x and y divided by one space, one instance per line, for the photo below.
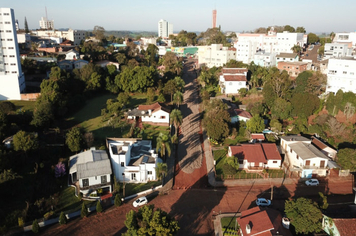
272 42
265 59
336 50
215 55
76 36
164 29
341 74
348 38
12 80
46 24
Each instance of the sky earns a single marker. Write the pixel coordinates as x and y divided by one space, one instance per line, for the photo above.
318 16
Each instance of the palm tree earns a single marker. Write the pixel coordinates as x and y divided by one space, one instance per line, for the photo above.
161 170
178 98
163 144
176 118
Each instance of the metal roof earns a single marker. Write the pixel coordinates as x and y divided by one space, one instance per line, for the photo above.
306 150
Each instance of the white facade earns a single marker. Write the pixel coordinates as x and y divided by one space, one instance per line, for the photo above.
164 29
72 55
265 59
341 74
133 160
23 38
215 55
349 38
76 36
287 57
12 80
46 24
159 116
336 50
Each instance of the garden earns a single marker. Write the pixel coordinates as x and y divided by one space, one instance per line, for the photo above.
229 226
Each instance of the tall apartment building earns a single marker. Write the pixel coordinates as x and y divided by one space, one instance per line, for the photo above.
12 80
164 29
341 74
215 55
46 24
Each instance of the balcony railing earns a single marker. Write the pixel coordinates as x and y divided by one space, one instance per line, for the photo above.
96 186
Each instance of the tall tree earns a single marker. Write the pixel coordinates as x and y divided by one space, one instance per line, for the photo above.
74 139
255 124
176 118
26 26
305 215
163 145
216 122
312 38
99 32
161 170
300 29
289 28
170 88
346 158
24 141
178 98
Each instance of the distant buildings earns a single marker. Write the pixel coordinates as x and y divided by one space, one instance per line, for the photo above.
336 50
341 74
76 36
164 29
12 80
215 55
46 24
348 38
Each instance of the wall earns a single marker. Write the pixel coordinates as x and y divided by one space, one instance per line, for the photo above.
155 117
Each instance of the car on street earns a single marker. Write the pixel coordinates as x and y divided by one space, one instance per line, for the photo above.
312 182
140 202
263 202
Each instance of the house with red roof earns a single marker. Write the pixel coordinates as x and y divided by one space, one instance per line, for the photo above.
257 156
155 114
339 226
327 150
232 80
237 115
259 222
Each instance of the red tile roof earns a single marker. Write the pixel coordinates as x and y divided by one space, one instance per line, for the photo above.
243 113
318 143
258 136
346 227
271 151
259 222
235 78
234 70
153 107
257 153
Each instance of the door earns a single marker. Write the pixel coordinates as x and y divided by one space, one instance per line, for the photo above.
307 163
322 164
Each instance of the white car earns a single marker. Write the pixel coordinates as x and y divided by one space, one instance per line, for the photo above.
312 182
263 202
140 202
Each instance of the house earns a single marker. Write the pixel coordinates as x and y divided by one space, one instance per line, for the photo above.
155 114
133 160
78 64
105 63
65 65
304 157
335 50
328 151
72 55
287 57
293 68
90 170
258 137
239 115
256 221
232 80
256 156
339 226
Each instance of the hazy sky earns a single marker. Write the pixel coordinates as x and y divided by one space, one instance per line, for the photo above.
316 16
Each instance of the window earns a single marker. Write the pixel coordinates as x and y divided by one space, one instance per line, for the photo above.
14 72
162 117
344 72
9 39
12 56
275 162
85 182
122 164
7 22
133 176
297 157
8 31
6 14
103 179
149 172
11 47
290 150
13 64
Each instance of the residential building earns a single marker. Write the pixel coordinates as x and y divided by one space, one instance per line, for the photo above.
348 38
72 55
46 24
256 221
232 80
164 29
12 80
336 50
293 68
215 55
303 157
286 57
341 74
23 38
105 63
265 59
155 114
257 137
237 115
339 226
324 148
257 156
90 170
76 36
133 160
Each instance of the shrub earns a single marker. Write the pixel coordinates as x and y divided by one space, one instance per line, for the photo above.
7 107
20 221
35 226
228 169
62 219
99 208
117 200
84 211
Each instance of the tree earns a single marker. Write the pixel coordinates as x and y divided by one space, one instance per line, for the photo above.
62 219
148 221
178 98
150 95
312 38
255 124
305 215
216 122
346 158
43 114
296 49
276 126
323 201
84 212
281 109
170 88
304 104
26 27
74 139
300 29
117 200
99 32
243 92
99 208
24 141
289 28
163 144
161 170
176 118
321 50
35 226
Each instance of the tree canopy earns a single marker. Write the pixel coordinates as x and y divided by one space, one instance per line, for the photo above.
216 120
74 139
346 158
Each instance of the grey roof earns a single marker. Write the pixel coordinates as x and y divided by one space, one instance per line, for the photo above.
295 138
287 55
137 112
307 151
90 163
142 160
333 164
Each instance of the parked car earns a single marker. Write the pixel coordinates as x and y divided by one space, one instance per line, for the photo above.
263 202
312 182
140 202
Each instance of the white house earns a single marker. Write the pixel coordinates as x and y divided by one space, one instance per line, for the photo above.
304 157
215 55
287 57
265 59
257 156
237 115
232 80
328 151
72 55
155 114
90 171
336 50
341 74
133 160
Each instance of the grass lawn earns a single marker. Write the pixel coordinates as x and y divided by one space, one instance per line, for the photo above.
24 105
228 225
68 202
136 188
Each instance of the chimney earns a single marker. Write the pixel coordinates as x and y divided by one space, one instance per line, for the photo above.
248 228
149 112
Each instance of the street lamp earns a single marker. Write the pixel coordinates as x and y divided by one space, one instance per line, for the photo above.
123 178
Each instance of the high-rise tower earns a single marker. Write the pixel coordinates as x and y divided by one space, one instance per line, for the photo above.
214 19
164 29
